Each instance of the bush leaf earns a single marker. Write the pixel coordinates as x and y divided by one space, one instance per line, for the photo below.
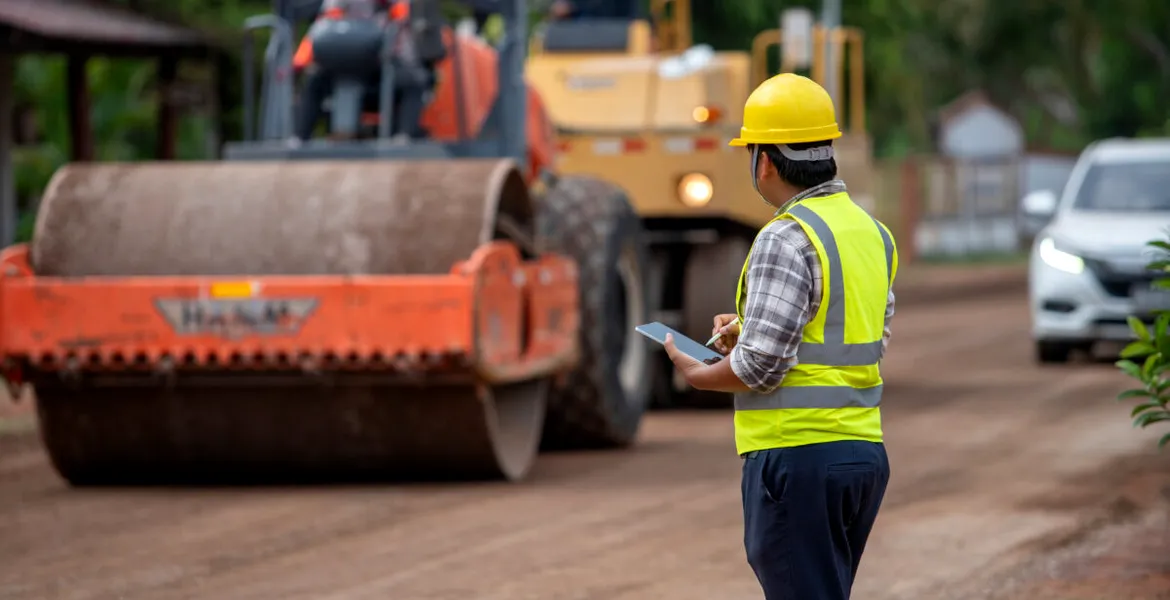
1135 393
1137 350
1139 328
1129 368
1149 418
1149 366
1143 407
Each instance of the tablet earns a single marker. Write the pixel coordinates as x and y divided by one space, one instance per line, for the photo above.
657 332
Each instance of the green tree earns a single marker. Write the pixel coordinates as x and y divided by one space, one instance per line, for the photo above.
1070 70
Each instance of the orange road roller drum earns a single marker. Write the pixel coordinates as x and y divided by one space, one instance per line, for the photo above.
332 319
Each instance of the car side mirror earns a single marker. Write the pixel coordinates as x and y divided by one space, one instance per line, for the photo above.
1040 203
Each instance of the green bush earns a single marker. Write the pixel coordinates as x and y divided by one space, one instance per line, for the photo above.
1148 358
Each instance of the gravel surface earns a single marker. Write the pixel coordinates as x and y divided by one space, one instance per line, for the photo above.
1004 474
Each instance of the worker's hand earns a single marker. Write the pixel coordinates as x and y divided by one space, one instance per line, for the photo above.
561 9
683 362
727 328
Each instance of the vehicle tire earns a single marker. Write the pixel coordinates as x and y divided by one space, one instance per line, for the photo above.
1053 352
662 394
661 370
601 402
711 276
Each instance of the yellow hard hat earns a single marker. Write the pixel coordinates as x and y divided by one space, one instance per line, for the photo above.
788 109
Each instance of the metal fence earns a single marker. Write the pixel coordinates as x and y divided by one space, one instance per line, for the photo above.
945 207
968 207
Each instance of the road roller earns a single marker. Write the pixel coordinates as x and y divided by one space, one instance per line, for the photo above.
356 306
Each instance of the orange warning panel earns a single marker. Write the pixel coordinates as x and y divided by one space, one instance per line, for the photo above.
494 315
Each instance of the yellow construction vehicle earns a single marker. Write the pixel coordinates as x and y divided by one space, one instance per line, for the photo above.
635 103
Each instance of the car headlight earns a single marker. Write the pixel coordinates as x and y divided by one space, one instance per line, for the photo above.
695 190
1059 259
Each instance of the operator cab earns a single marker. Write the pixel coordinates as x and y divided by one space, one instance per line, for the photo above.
592 35
349 52
482 108
619 27
352 72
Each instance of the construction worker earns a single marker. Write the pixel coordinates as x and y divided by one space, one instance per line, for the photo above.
419 47
811 324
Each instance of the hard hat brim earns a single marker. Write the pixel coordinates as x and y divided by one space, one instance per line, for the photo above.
740 142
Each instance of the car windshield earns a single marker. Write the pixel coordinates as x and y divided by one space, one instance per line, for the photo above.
1126 187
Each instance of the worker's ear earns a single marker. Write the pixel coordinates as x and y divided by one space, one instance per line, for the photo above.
765 169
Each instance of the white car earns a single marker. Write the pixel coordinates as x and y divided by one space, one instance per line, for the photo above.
1087 270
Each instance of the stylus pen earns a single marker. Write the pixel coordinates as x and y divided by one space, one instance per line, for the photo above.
719 335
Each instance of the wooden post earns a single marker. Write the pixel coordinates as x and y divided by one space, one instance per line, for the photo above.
167 115
79 119
911 209
7 175
222 68
212 142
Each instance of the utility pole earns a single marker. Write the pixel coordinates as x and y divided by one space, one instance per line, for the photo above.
830 21
7 173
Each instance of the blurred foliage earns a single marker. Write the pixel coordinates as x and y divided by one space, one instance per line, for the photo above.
1147 359
1070 70
123 103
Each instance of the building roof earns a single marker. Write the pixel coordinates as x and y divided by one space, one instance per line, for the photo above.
967 101
54 25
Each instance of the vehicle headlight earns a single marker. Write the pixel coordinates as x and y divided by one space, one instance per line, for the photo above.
706 115
695 189
1059 259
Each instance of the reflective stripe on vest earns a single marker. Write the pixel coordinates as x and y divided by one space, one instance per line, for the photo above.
834 352
811 396
856 362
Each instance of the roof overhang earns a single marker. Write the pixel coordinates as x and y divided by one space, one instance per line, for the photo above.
92 27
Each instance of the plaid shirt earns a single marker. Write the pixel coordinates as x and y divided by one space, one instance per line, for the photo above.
786 284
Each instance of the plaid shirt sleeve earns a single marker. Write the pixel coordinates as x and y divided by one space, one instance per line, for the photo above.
784 276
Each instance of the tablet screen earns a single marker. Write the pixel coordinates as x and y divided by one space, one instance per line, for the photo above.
657 332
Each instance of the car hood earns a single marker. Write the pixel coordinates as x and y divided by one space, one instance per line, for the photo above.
1111 235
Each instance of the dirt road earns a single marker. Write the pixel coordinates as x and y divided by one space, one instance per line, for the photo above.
996 462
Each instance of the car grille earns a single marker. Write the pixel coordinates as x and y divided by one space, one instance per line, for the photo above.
1116 282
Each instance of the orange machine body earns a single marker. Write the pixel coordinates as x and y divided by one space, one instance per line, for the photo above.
493 318
476 81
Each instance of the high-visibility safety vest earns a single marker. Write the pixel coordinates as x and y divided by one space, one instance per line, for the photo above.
834 392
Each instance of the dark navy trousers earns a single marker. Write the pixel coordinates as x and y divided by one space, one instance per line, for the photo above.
807 513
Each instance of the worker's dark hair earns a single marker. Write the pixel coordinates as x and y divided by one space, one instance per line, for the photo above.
802 174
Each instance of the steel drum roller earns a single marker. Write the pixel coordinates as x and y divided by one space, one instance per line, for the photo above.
280 218
273 218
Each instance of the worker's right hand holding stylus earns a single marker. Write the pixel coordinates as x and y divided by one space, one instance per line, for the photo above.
727 328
